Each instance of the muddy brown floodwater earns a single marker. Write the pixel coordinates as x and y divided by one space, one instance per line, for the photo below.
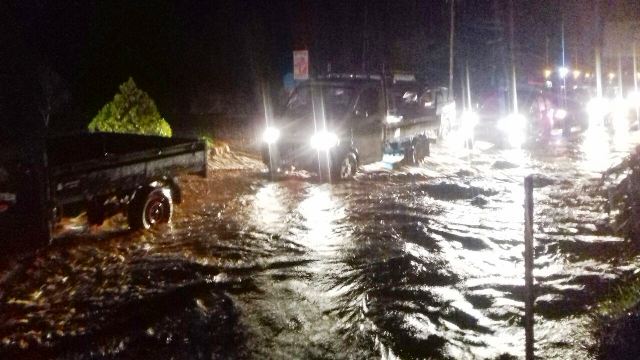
416 262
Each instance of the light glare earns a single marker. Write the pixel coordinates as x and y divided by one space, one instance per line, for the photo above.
324 140
270 135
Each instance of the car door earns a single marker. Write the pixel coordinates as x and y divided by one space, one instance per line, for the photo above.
367 125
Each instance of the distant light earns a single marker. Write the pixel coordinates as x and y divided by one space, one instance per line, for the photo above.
587 75
560 114
612 76
393 119
576 73
547 73
563 71
548 84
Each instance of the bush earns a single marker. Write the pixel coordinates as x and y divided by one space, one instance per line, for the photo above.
624 196
131 111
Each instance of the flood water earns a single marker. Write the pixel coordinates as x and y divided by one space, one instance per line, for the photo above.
415 262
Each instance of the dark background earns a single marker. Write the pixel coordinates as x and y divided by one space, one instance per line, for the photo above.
215 56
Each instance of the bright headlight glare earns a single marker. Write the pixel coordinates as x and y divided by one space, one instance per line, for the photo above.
560 114
597 110
633 98
469 119
324 140
511 122
270 135
513 126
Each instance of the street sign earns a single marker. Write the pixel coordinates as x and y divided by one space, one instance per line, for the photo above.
301 65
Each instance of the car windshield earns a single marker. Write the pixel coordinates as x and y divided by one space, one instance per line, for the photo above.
336 100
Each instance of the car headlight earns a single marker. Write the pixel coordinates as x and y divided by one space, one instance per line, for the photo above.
560 114
324 140
513 126
469 119
270 135
511 122
598 108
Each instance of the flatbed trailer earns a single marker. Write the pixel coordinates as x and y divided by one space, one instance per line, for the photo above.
105 173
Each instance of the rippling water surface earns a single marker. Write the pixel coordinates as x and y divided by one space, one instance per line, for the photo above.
415 262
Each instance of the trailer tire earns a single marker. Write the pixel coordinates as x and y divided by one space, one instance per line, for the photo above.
149 208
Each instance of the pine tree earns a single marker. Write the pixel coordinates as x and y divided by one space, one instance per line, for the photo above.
131 111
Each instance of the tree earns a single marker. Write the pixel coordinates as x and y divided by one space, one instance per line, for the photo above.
131 111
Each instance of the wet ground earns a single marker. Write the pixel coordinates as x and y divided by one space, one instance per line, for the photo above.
415 262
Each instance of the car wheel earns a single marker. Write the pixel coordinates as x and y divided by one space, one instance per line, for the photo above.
420 148
150 208
345 168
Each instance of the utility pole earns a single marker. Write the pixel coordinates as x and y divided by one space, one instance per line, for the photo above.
621 94
597 50
635 68
546 52
365 39
514 86
451 39
470 106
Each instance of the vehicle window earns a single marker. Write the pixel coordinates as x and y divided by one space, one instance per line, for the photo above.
369 101
336 100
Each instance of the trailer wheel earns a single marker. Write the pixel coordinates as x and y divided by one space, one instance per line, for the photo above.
344 168
150 208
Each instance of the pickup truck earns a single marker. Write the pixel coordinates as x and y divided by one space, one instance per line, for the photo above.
333 124
102 173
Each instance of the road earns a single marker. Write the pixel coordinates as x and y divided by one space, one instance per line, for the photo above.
413 262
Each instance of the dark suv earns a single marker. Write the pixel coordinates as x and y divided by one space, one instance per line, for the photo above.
334 124
329 126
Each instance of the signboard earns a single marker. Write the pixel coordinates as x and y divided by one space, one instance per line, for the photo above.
301 65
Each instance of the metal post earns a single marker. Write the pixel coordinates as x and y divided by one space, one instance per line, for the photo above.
528 266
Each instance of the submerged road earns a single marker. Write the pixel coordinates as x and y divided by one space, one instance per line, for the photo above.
415 262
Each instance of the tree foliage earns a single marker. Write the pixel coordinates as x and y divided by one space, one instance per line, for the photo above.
131 111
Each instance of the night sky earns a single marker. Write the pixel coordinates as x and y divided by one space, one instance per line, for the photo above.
179 50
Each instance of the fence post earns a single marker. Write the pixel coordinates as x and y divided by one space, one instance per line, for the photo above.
528 266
